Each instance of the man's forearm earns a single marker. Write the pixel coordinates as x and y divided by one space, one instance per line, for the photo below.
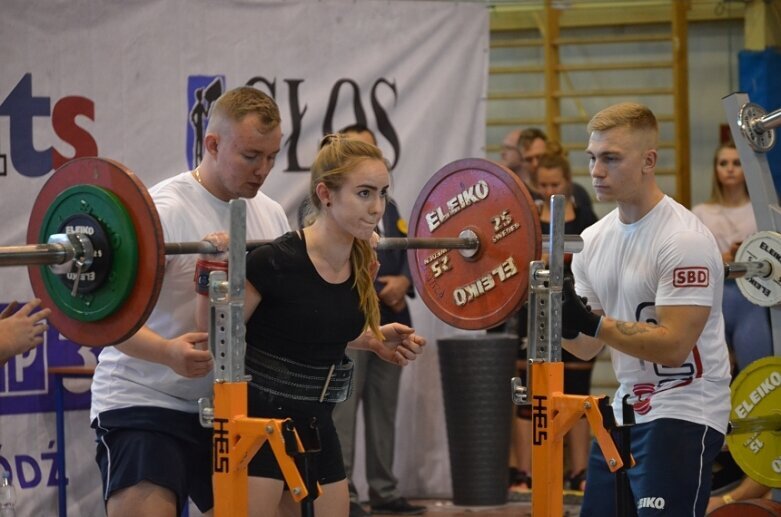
147 345
653 343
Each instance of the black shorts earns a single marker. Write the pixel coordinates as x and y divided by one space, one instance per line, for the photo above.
165 447
325 466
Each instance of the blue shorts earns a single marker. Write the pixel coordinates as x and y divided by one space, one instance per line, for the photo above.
672 475
165 447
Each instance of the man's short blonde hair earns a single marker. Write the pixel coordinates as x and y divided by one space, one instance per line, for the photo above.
237 103
626 114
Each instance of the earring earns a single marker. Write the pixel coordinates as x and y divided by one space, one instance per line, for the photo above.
328 204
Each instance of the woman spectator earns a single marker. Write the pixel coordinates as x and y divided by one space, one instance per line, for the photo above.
730 217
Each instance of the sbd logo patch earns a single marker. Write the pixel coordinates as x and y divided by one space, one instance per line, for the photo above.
691 277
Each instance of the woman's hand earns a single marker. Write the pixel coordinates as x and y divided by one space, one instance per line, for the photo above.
401 344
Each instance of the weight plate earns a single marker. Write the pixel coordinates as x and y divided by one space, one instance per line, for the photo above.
758 290
756 393
483 290
104 285
748 508
131 193
759 142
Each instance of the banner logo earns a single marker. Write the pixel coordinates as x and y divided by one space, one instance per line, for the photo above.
202 91
21 107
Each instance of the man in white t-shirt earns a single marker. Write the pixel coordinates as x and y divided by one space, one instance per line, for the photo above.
152 451
653 275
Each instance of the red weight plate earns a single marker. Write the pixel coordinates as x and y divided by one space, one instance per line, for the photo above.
748 508
482 291
133 313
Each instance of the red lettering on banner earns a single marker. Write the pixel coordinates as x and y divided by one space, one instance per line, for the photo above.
691 277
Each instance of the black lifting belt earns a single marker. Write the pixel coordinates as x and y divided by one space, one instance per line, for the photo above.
297 381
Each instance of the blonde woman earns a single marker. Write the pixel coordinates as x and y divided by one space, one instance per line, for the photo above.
310 295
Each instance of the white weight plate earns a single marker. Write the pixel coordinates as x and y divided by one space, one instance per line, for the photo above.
758 290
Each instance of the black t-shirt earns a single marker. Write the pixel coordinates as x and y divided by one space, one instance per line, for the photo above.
301 316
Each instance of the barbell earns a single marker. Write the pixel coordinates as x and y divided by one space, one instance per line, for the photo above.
475 229
96 253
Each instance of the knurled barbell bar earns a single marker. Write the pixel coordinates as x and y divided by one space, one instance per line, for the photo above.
64 249
61 250
105 251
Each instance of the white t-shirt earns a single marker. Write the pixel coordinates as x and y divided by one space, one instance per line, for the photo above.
187 213
727 223
667 258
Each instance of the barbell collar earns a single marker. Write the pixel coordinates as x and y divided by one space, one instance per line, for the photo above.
761 268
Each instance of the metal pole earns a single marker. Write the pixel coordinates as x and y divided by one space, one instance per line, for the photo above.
761 188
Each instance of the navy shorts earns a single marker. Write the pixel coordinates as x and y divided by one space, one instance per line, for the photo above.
326 466
672 475
165 447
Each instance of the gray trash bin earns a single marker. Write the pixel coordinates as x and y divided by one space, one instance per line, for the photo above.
476 373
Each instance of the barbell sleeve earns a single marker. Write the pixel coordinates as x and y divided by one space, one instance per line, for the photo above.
734 270
35 255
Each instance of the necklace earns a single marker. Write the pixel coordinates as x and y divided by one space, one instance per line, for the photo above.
197 174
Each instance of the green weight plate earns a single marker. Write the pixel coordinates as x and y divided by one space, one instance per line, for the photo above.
134 198
756 394
112 291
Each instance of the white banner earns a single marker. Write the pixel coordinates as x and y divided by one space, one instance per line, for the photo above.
119 79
